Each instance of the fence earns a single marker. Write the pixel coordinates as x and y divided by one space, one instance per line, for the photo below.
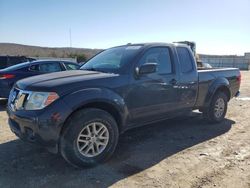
241 62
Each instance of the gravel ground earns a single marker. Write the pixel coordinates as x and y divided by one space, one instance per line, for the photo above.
175 153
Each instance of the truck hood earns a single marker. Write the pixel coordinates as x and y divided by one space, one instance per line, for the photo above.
62 82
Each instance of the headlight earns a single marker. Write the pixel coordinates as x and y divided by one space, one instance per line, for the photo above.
39 100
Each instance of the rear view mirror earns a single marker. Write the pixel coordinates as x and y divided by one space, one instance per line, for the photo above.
146 68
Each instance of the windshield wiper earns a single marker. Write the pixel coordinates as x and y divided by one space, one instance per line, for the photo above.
91 69
96 70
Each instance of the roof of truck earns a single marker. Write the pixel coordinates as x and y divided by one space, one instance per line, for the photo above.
154 44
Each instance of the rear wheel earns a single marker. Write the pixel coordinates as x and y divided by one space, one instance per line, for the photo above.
90 137
217 109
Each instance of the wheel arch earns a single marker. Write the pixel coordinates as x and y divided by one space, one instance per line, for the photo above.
225 90
108 107
103 105
219 85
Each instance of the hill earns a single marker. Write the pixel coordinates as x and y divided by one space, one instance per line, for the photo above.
37 51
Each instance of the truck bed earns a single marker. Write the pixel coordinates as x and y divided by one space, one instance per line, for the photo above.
207 77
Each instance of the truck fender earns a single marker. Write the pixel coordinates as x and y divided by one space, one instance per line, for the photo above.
92 96
218 84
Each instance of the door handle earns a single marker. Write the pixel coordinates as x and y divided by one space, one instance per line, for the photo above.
173 81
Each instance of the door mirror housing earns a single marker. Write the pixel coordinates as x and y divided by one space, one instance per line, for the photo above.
147 68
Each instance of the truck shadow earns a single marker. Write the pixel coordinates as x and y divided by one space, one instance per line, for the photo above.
138 149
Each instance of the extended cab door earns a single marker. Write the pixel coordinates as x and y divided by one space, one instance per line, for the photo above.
188 81
153 96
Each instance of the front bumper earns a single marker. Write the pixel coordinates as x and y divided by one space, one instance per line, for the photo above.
41 127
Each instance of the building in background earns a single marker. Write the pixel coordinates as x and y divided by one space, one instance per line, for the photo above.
241 62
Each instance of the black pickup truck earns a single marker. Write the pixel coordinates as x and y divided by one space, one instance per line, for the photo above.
81 113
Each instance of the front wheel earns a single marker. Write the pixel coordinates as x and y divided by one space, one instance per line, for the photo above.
217 109
90 137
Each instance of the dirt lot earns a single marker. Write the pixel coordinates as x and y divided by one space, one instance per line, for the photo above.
174 153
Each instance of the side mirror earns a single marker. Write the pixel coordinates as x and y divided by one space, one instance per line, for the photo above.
146 68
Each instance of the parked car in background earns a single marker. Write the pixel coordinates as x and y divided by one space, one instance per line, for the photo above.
202 65
9 76
7 61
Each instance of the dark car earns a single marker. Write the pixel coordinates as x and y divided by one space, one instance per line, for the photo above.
81 113
201 65
7 61
9 76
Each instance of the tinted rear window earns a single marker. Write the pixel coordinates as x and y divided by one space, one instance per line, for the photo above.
185 59
18 66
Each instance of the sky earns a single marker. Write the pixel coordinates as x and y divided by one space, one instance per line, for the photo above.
217 26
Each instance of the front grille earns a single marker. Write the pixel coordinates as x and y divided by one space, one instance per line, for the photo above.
18 98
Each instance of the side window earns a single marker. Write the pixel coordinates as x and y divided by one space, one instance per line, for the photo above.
185 59
50 67
161 56
34 68
70 66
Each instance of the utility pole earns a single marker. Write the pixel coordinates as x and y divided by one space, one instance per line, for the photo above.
70 40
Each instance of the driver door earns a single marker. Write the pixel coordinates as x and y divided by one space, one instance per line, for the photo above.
154 95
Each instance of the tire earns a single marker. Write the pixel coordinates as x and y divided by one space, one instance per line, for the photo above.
76 135
217 109
3 102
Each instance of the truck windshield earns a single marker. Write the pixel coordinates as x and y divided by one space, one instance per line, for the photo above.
112 60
